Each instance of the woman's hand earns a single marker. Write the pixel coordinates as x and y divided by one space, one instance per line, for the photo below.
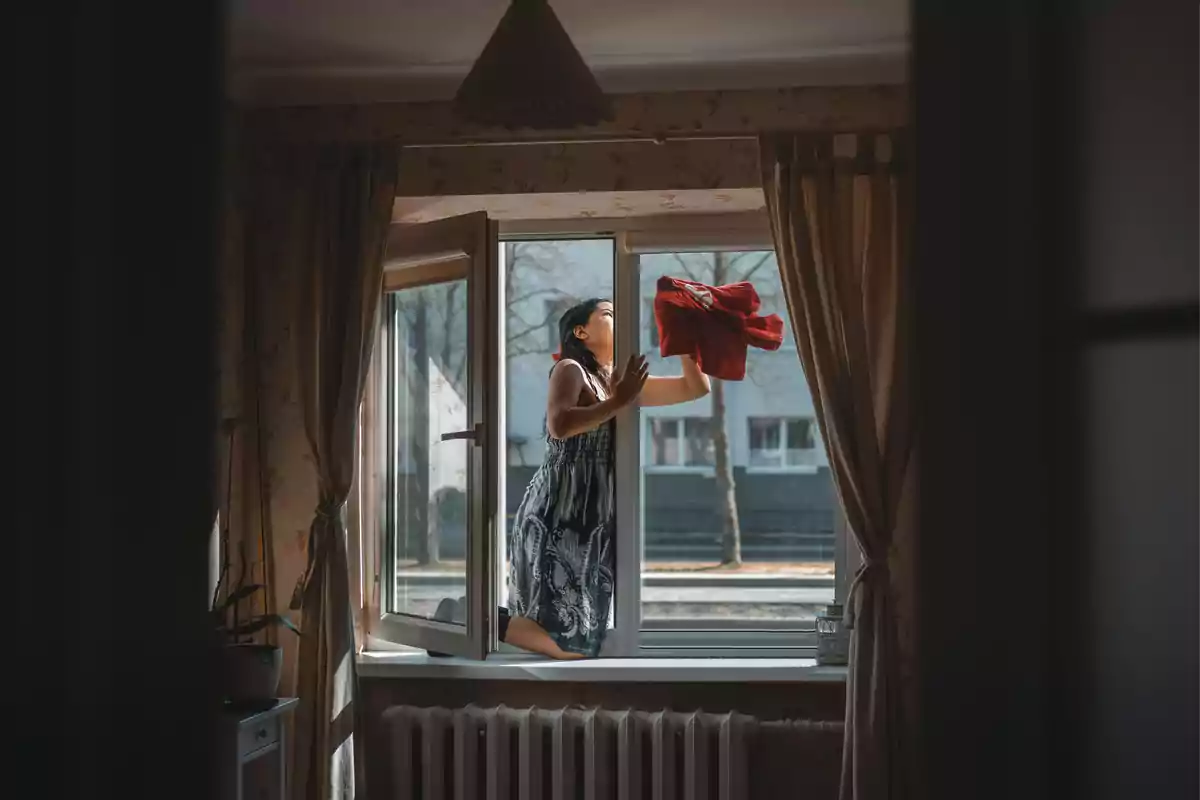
628 385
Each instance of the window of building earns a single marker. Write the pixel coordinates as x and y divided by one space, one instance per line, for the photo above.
680 442
782 442
729 537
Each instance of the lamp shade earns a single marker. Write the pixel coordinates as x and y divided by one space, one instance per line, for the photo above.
530 75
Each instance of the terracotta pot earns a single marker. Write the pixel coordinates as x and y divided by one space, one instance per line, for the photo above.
250 672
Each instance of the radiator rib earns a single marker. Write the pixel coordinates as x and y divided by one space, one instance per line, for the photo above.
505 753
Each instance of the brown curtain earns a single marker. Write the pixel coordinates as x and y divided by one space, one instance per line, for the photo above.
323 212
838 209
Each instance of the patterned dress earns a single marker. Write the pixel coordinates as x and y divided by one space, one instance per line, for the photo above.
561 550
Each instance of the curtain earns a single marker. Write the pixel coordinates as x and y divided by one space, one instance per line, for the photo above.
321 219
838 209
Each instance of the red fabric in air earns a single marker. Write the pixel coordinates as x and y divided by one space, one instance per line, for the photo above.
713 323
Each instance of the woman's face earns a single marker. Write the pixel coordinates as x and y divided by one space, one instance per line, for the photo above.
597 334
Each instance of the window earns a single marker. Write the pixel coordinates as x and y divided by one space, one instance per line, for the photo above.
782 443
729 539
686 442
740 557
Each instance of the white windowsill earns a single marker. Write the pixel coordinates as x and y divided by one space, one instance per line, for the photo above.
805 469
672 469
599 670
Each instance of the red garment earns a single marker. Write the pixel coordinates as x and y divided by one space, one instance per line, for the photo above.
713 323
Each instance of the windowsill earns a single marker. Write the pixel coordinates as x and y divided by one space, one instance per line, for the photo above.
805 469
680 469
600 670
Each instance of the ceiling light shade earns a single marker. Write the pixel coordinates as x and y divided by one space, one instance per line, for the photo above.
531 76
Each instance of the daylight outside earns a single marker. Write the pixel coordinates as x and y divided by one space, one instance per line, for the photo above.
738 507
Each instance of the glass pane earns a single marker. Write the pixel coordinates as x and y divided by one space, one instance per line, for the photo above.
664 442
542 279
705 532
801 447
427 374
700 445
764 443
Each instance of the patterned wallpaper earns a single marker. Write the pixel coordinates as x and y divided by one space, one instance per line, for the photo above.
592 167
644 114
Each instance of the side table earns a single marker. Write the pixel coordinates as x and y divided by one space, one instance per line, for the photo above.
252 752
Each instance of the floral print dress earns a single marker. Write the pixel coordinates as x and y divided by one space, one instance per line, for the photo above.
561 550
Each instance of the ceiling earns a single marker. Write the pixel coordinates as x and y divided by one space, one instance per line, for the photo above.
309 51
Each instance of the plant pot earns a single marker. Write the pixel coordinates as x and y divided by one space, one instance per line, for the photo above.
250 673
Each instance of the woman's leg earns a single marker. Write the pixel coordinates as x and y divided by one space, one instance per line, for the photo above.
528 635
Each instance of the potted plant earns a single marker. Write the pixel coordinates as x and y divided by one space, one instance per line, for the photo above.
248 670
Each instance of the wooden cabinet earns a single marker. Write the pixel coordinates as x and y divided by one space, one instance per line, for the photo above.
252 753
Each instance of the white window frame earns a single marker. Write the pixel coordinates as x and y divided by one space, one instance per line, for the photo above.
698 233
456 248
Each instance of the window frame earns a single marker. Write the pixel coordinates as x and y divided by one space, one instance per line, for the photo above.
632 237
789 640
456 248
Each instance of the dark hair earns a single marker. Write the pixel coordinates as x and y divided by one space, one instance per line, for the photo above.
570 346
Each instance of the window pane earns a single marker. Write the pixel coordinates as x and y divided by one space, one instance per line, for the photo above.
426 374
664 442
543 279
801 444
764 443
705 532
700 445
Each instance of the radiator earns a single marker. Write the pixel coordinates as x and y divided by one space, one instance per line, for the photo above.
505 753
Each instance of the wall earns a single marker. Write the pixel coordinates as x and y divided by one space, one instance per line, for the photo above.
274 483
1139 403
1058 250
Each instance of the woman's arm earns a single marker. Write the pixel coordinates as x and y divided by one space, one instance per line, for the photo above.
566 418
668 391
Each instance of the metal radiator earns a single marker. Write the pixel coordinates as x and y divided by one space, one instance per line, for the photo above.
505 753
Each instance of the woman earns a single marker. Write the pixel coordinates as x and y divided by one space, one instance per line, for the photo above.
562 546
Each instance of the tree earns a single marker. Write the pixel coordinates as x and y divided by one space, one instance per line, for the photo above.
724 268
532 268
421 533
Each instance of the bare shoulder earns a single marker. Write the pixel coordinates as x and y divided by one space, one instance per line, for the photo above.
569 378
567 372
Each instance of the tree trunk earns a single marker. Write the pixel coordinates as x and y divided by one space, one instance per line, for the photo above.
731 531
422 533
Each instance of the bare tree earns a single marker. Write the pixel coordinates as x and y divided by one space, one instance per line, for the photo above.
530 267
421 533
724 268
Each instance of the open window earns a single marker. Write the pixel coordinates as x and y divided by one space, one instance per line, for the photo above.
467 338
434 413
